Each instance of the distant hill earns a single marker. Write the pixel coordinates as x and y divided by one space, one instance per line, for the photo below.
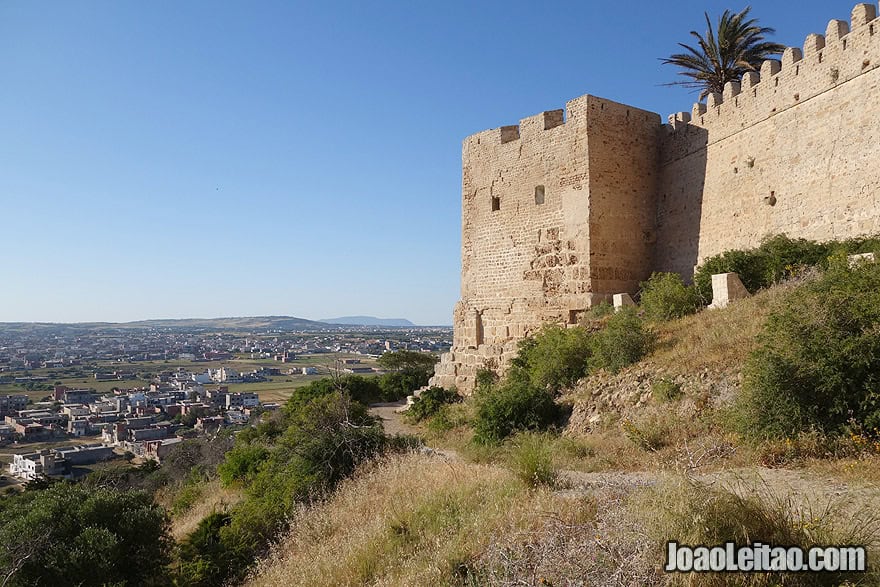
232 323
367 321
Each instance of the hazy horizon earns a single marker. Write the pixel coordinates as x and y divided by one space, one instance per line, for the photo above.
157 319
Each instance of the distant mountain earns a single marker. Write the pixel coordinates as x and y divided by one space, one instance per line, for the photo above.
213 324
367 321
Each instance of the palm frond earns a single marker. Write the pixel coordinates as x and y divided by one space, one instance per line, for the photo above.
725 52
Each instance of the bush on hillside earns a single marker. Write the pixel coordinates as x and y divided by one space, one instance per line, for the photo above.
410 370
429 403
485 379
513 405
554 358
777 258
72 534
598 311
242 463
622 342
784 256
748 264
818 363
664 296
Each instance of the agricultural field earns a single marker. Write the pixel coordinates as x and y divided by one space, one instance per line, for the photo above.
276 389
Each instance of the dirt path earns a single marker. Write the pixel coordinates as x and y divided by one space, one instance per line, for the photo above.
392 419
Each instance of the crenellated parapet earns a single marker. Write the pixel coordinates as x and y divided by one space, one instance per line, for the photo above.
844 52
539 126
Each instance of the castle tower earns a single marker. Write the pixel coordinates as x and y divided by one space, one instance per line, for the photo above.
557 214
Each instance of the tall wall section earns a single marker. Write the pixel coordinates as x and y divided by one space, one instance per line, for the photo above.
794 149
535 199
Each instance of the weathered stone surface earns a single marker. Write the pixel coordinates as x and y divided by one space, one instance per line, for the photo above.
569 207
726 288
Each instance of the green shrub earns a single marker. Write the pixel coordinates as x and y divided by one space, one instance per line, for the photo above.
532 460
854 246
485 379
410 370
514 405
554 358
749 265
818 363
599 311
187 494
448 417
665 296
73 534
777 258
242 463
784 256
665 390
204 560
365 390
429 402
622 342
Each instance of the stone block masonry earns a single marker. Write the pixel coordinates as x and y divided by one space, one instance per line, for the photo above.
572 206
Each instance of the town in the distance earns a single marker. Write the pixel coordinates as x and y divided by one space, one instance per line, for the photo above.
74 396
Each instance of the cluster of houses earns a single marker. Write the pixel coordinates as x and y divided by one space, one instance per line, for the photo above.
144 421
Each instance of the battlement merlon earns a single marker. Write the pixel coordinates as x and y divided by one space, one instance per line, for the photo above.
846 51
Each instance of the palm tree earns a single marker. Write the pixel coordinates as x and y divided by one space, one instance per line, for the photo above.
736 47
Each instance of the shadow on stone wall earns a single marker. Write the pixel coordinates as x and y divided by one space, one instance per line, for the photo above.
680 200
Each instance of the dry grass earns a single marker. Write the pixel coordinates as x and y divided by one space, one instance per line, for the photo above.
214 498
716 340
743 512
857 471
411 520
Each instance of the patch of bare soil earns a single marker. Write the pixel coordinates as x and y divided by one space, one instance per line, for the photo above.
392 419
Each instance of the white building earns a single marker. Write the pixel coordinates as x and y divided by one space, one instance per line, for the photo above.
33 465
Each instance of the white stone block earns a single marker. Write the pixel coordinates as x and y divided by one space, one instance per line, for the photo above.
727 287
621 300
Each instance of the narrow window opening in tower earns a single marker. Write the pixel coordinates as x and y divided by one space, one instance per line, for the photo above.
478 328
496 203
539 194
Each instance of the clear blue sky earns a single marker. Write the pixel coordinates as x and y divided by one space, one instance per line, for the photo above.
204 158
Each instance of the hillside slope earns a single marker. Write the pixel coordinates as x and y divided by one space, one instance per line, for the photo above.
631 471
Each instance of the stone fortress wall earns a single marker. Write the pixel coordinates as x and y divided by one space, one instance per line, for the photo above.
570 207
